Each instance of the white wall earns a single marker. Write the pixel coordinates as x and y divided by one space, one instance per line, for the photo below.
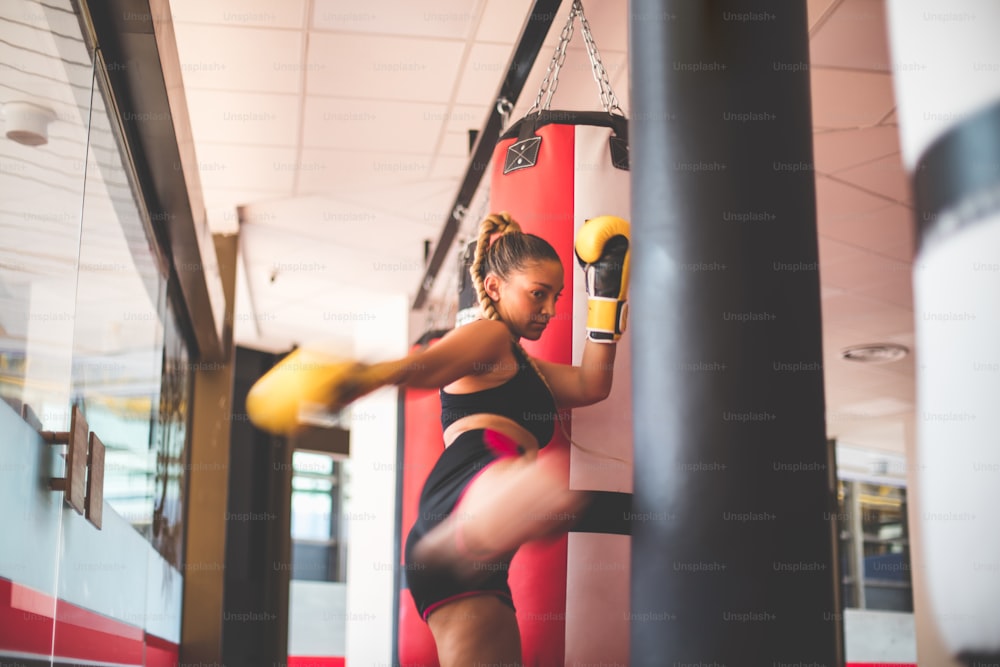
381 333
316 614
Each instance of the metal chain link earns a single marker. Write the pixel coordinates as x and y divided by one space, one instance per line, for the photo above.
608 97
551 81
558 58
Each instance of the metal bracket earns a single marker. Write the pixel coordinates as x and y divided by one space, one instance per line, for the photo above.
84 451
73 485
94 502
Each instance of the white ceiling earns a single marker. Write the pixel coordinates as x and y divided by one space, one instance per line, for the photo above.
337 132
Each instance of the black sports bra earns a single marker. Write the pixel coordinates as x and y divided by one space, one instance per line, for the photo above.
524 398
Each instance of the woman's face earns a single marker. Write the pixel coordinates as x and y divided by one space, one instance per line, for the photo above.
526 300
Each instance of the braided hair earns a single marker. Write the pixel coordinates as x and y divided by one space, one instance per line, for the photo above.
510 252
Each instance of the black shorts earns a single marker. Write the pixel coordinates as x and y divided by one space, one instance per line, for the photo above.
460 463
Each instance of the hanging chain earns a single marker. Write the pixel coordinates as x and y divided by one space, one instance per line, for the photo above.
551 81
608 97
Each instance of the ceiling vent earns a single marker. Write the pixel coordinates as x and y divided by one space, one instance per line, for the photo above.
875 353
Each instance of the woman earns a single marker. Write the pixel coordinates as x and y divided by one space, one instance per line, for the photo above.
485 496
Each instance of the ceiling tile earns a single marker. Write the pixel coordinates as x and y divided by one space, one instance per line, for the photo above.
244 118
838 371
905 250
447 19
863 270
841 149
225 58
853 216
402 131
340 223
817 9
850 309
386 68
502 21
464 117
845 99
449 169
420 203
833 251
230 199
485 68
885 176
852 37
299 266
876 318
340 171
265 168
608 22
455 144
896 289
245 13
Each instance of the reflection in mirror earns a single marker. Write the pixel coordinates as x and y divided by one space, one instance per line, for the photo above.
45 64
118 340
84 314
170 445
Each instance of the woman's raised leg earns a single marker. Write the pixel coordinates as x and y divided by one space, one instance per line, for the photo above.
513 501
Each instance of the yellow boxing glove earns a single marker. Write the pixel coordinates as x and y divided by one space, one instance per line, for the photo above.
310 378
602 248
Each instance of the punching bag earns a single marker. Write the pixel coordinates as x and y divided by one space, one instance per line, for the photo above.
422 444
553 170
947 81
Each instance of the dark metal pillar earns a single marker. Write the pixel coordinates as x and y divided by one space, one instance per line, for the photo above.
732 553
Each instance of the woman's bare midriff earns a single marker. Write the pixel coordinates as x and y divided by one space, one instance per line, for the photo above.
504 425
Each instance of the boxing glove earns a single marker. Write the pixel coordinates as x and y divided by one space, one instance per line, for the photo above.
310 378
602 248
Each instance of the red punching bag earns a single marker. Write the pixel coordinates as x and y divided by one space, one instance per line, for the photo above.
422 444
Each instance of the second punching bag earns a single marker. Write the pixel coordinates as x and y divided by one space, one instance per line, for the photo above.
947 82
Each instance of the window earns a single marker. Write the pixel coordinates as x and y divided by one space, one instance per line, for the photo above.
874 546
317 545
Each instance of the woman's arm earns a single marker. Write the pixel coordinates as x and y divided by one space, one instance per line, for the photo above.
586 384
471 349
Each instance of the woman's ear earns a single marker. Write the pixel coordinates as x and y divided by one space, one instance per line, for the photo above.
491 283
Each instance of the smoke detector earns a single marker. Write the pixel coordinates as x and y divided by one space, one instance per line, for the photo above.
875 353
28 123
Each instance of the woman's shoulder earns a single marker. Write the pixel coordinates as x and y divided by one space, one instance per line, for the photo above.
492 329
491 336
